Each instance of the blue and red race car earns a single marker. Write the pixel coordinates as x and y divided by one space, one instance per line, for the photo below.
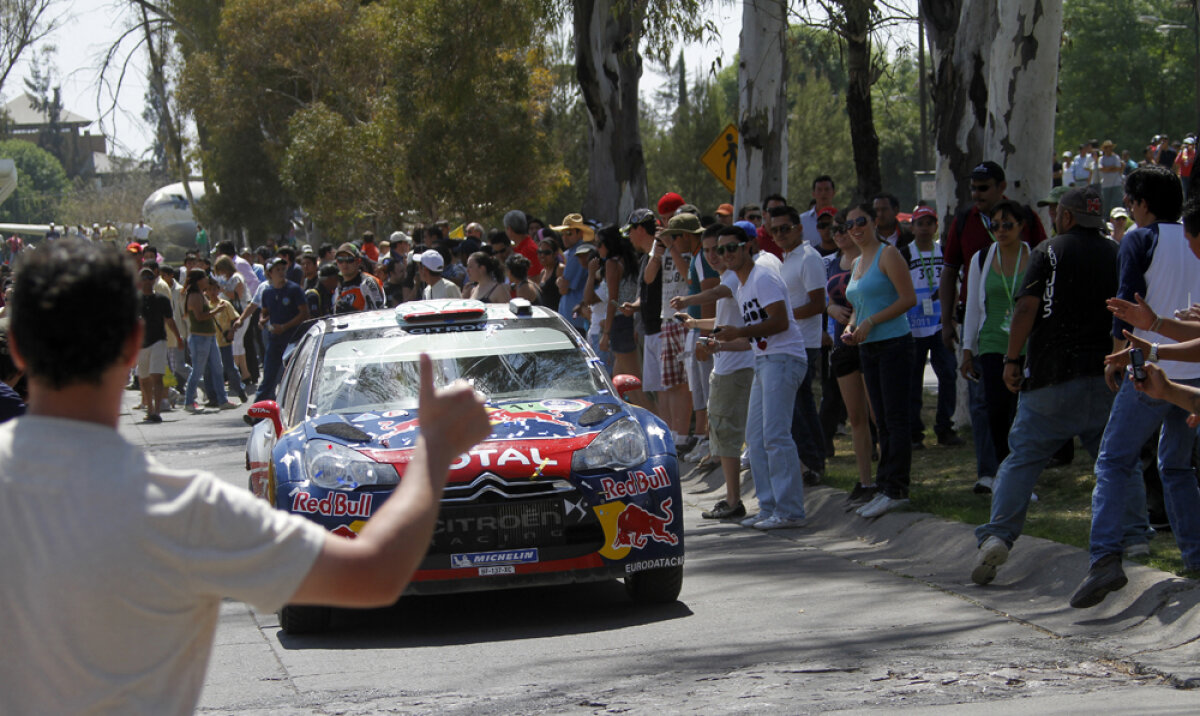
573 485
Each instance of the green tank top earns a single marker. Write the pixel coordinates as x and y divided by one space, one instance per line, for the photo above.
201 328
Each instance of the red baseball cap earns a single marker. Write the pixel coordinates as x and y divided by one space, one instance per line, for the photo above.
669 203
923 211
826 211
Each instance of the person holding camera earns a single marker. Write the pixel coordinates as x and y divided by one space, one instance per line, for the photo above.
1158 262
1062 322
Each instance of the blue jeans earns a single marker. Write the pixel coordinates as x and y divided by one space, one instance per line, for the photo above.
1120 490
945 368
986 464
806 425
887 370
1046 417
206 362
774 463
272 368
606 357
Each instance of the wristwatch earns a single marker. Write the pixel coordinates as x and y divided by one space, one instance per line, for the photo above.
1153 357
1011 361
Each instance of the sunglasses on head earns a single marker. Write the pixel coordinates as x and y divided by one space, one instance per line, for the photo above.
728 248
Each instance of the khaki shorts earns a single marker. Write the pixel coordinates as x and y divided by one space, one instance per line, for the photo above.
152 360
728 401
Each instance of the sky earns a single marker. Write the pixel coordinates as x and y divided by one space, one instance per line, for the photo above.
87 28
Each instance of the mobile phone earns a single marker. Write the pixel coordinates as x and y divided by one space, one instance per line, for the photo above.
682 317
1137 361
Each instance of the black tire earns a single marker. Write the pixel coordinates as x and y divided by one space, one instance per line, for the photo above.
304 620
655 586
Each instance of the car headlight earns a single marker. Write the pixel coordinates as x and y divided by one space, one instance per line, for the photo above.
337 467
620 446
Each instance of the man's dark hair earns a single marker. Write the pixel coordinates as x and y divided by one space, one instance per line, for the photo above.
712 230
823 177
433 235
263 253
890 198
1159 188
368 237
746 209
788 211
1191 216
324 252
328 270
497 236
151 264
288 252
774 197
225 248
74 306
150 249
734 231
169 270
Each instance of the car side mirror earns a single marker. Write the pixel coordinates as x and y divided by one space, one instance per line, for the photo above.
268 409
626 383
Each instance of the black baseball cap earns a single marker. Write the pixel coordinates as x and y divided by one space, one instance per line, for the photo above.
988 170
1085 205
639 217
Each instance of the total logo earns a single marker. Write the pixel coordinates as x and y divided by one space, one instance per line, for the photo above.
335 504
483 457
637 483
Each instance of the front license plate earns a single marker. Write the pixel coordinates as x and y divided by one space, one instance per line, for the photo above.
500 569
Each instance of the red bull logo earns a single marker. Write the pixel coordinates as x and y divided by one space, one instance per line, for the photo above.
335 504
639 483
503 415
636 526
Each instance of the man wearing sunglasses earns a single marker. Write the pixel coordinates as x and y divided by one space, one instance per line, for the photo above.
779 367
358 291
969 233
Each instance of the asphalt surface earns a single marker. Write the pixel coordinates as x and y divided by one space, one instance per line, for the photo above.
844 614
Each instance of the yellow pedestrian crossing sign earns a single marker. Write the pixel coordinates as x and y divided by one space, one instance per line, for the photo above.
721 157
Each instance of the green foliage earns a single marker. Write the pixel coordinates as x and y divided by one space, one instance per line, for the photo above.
673 151
41 184
1120 79
897 122
373 112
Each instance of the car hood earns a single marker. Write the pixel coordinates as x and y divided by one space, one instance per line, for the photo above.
511 420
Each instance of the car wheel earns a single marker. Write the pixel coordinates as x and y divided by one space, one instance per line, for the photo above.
655 586
304 620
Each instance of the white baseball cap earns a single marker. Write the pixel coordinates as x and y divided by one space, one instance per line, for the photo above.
399 236
433 261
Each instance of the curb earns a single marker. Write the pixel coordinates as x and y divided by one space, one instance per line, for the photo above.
1152 624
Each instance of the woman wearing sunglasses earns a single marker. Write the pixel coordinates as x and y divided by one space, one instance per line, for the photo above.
844 363
881 291
995 277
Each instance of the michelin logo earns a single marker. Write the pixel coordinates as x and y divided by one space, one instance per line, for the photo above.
507 556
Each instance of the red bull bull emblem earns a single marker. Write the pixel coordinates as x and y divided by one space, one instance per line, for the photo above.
635 526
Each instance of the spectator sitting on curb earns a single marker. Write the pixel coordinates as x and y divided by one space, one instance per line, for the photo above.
151 543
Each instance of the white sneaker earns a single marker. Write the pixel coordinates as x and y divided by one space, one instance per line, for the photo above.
871 503
774 522
745 459
754 519
699 453
887 504
983 486
992 553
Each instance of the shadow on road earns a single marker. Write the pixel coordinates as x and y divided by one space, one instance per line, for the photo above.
481 617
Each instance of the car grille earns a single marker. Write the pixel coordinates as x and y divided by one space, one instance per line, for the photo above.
560 527
489 487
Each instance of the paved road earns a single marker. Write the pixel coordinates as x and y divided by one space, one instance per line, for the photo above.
842 615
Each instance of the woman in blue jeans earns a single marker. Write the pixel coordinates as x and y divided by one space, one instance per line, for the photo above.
202 344
881 291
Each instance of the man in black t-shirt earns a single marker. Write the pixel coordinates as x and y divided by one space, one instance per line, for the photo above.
157 316
1061 309
642 228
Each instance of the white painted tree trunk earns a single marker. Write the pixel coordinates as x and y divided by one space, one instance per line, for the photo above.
608 68
1022 83
762 122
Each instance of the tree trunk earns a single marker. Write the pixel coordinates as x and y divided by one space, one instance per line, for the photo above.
159 83
863 138
762 101
609 67
960 39
1022 78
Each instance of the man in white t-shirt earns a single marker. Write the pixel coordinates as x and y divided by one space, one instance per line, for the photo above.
111 606
141 232
779 367
430 271
804 274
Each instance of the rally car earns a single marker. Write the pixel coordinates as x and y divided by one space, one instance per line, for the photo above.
573 484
